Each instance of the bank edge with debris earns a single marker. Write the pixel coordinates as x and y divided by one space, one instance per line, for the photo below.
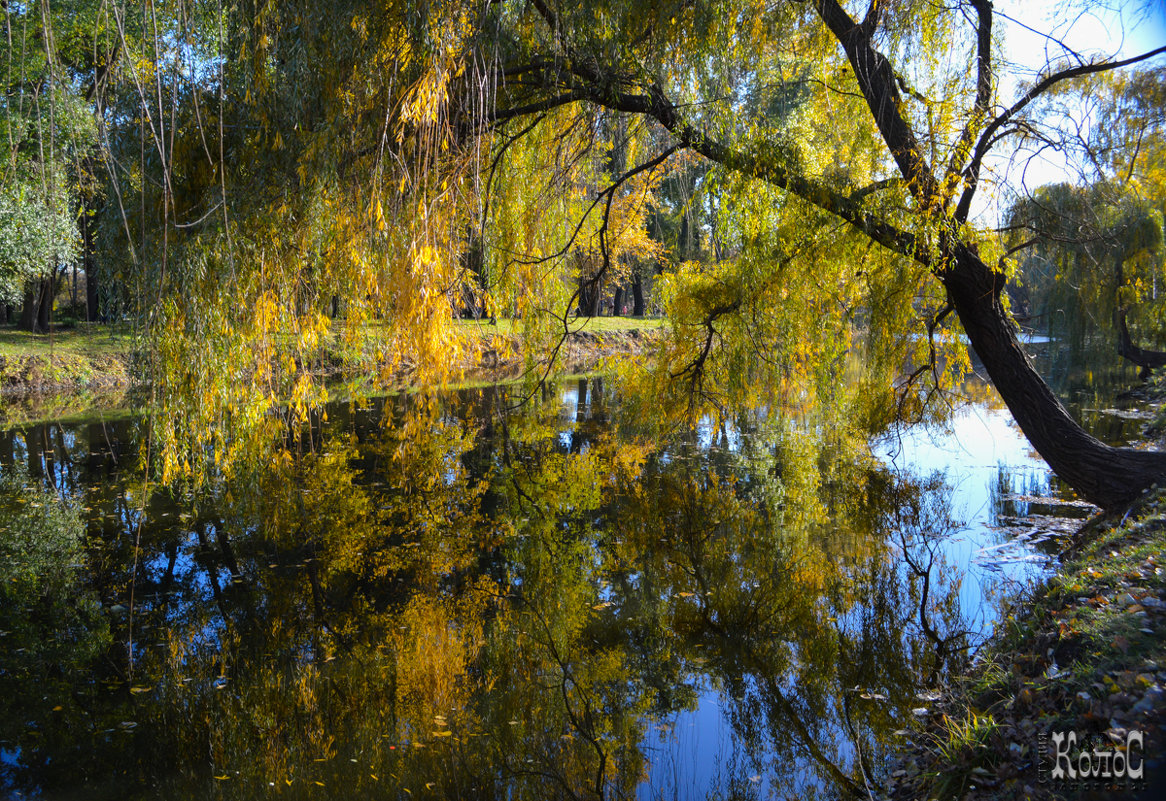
1083 653
62 385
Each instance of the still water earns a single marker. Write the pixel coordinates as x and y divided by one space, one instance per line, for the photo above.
457 596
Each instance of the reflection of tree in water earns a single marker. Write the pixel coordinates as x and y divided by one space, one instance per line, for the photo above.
814 635
471 604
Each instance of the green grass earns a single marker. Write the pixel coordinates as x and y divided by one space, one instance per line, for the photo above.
101 355
965 748
104 340
85 340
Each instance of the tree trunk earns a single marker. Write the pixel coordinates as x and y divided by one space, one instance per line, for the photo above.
617 302
1148 360
45 311
637 294
1109 477
28 311
88 254
590 292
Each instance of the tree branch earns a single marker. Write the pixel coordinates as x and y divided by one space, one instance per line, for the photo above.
759 165
581 77
1041 86
983 98
879 87
874 15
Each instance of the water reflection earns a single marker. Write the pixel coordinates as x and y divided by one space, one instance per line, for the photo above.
448 596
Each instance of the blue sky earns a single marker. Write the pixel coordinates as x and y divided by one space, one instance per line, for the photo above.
1037 32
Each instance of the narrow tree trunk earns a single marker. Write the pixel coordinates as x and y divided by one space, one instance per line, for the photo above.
617 302
637 294
45 309
590 291
28 311
88 253
1146 359
1109 477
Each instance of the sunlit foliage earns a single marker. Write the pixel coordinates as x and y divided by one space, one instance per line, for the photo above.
284 174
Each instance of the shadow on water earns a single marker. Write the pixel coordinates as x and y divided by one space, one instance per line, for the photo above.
447 598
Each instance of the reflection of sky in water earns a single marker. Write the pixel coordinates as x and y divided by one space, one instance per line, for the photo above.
695 752
688 751
982 452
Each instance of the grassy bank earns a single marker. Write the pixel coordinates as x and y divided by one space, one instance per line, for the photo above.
62 374
88 357
1083 652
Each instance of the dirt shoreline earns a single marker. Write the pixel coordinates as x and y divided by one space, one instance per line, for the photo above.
40 386
1083 652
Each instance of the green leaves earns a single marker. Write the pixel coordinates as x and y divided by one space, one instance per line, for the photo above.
37 230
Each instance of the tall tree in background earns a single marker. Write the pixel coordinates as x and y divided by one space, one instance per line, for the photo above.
56 56
1093 255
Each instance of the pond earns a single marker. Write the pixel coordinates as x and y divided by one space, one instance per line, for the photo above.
463 596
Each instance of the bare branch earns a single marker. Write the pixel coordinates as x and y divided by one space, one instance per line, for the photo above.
1039 88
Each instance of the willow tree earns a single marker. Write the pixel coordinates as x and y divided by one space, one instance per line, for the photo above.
372 144
1094 255
915 85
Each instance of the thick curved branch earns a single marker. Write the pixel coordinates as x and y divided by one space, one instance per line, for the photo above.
504 114
757 165
608 89
880 88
